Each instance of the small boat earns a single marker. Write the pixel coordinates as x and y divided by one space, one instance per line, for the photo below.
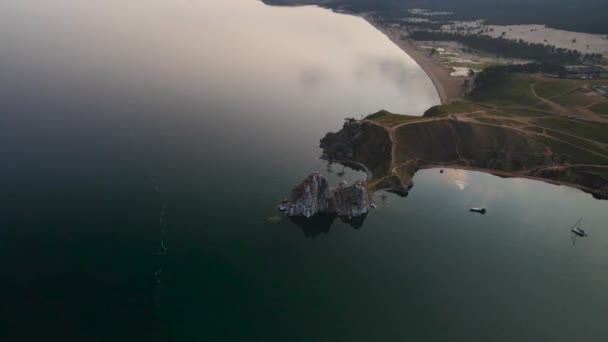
478 210
576 229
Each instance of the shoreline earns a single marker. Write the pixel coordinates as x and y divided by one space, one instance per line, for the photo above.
515 174
448 88
505 174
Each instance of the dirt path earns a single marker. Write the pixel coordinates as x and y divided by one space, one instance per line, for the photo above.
523 131
556 108
582 113
526 122
412 165
392 134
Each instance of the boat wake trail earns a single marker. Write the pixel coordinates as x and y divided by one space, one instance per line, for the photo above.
162 252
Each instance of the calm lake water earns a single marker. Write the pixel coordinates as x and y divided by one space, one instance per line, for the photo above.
128 128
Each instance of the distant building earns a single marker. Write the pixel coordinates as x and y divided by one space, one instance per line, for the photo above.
586 72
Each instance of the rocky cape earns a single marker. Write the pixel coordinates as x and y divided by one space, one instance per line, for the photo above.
393 154
314 196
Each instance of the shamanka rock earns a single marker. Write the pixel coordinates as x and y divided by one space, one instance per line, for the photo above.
315 196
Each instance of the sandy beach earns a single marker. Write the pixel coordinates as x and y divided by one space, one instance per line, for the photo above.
448 88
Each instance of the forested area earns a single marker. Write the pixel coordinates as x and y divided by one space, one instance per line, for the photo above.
510 48
572 15
494 76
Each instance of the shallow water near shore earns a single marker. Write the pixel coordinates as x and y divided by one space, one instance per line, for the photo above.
181 125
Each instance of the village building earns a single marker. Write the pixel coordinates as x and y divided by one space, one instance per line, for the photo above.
586 72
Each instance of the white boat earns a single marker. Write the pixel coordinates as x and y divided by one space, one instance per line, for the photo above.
478 210
576 229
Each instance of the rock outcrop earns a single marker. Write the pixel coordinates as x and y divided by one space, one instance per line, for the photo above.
352 201
315 196
359 143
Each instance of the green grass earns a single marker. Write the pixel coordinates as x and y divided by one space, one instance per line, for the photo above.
573 154
543 106
584 129
596 82
582 144
386 118
453 108
501 113
491 121
378 173
600 108
523 112
534 129
500 120
513 123
515 90
575 99
549 88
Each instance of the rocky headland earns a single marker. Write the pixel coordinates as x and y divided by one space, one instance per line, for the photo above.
393 153
391 148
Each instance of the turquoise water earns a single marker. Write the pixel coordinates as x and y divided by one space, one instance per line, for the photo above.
131 126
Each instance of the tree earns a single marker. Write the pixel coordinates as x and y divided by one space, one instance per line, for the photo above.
509 48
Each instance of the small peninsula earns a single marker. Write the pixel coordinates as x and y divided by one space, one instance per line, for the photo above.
515 123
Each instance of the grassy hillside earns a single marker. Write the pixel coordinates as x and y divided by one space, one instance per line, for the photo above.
513 90
453 108
468 144
517 124
554 87
600 108
389 119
